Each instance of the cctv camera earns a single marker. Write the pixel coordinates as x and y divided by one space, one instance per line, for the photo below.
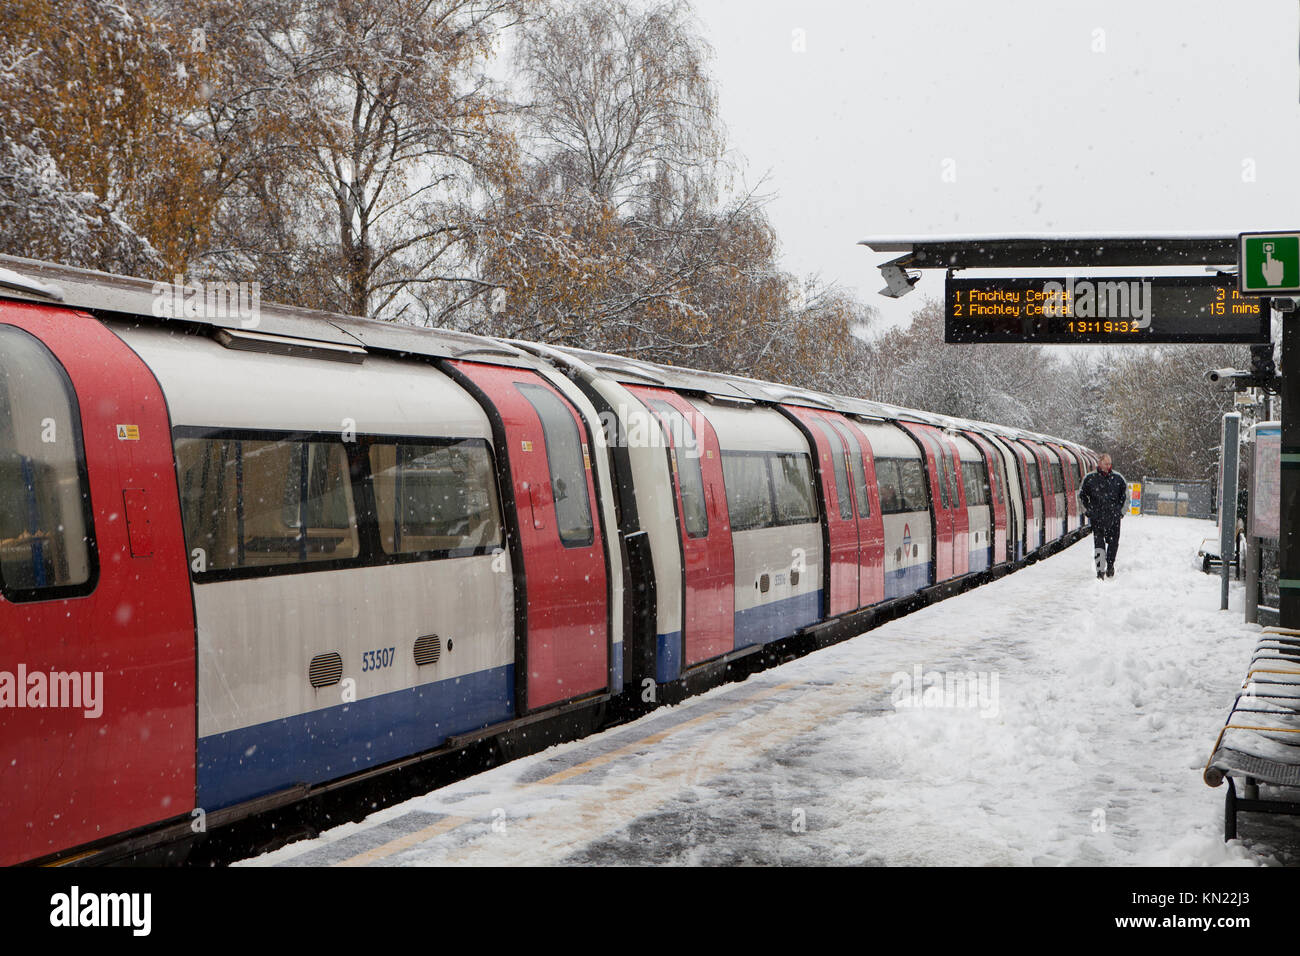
1218 374
897 282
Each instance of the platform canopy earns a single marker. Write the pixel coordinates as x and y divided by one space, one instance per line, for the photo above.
1057 251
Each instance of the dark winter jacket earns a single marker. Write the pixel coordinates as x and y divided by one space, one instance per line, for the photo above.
1105 497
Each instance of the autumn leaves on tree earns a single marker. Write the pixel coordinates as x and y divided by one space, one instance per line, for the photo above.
358 156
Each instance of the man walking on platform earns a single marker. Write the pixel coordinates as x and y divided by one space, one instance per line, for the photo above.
1104 495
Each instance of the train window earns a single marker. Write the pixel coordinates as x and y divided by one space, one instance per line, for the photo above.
257 503
749 491
1058 477
975 480
793 488
855 462
690 475
1035 481
949 472
891 492
46 542
902 485
435 498
841 472
912 482
1000 471
940 474
564 458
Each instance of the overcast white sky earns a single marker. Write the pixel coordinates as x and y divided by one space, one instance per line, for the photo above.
1093 117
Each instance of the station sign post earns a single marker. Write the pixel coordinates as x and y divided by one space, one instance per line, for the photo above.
1268 265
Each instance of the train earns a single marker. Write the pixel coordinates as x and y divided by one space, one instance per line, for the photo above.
250 552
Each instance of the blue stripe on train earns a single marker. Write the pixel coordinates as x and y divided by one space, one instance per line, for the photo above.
979 560
334 742
769 622
906 580
668 656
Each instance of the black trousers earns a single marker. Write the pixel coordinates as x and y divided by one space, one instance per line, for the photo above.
1105 537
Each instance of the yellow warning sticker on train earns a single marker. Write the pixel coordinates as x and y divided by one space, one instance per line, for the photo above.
128 432
528 446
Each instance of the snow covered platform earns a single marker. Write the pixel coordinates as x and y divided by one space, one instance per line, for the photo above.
1048 718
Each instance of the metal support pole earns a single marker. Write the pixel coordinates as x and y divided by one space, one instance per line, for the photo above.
1228 500
1251 600
1288 539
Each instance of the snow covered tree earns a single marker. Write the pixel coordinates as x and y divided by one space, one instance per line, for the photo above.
361 134
99 164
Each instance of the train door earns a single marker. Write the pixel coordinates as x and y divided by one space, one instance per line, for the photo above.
695 460
1028 540
941 502
97 734
840 516
951 461
999 505
1053 492
871 530
564 651
1036 515
978 497
1070 478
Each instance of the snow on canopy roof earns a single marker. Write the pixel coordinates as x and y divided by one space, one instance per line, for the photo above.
1030 250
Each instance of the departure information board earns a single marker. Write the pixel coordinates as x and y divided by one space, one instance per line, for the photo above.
1105 310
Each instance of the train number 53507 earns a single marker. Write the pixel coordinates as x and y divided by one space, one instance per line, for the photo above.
374 660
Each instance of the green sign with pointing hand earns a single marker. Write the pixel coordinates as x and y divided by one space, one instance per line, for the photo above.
1268 263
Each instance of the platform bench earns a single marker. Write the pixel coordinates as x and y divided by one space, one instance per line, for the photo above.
1260 742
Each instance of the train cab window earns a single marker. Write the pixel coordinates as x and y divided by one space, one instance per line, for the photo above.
435 498
749 492
250 503
690 475
46 542
567 469
841 471
855 464
793 489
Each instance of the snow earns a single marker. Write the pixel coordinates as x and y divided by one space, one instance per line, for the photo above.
15 280
1094 707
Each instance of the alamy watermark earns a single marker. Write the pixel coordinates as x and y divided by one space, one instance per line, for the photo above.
1088 299
75 690
921 689
212 300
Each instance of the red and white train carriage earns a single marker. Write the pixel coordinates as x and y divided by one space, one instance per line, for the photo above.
240 564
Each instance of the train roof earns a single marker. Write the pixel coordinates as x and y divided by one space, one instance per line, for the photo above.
108 295
291 330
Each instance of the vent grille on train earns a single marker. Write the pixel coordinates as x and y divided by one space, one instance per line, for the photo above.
428 649
326 670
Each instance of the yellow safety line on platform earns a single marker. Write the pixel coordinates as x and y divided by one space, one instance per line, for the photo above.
578 769
608 809
404 842
450 823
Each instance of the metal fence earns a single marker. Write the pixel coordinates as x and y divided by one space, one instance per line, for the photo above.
1184 497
